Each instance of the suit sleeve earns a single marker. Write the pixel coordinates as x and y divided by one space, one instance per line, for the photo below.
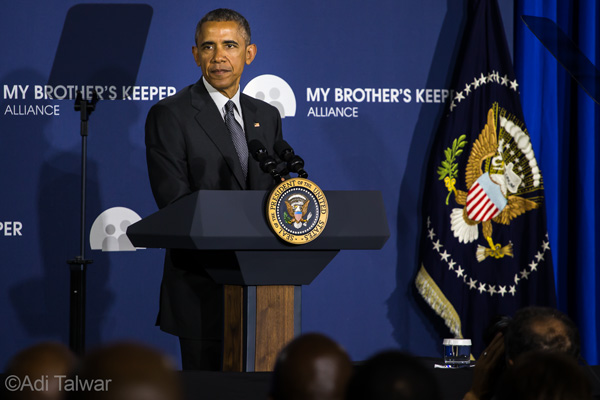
166 156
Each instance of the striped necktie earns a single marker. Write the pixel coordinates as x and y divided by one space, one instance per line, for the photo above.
237 136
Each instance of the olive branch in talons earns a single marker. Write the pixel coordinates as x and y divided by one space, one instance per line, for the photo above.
449 169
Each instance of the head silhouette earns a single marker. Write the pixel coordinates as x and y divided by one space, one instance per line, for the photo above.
45 361
541 328
545 375
129 371
311 367
393 375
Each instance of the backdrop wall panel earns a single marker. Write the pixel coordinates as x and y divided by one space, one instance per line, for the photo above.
368 81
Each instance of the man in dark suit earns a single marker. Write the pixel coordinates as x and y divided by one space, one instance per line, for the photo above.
189 147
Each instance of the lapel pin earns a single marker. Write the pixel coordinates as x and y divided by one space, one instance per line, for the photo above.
256 125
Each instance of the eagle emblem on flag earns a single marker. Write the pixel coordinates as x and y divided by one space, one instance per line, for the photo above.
500 169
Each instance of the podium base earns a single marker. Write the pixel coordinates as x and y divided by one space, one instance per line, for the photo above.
259 322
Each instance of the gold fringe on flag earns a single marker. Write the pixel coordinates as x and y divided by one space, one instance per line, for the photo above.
438 302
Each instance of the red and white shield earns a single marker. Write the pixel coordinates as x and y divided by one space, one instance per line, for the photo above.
485 199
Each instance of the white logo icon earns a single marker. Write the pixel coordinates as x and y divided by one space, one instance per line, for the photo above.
108 230
275 91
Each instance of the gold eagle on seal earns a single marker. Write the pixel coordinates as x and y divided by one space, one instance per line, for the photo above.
497 171
297 208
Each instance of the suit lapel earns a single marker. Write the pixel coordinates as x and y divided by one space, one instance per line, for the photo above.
210 120
254 131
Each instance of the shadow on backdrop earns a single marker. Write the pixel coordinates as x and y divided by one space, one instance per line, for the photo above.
40 302
412 186
101 46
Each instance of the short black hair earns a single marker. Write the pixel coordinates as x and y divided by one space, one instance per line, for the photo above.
224 15
520 336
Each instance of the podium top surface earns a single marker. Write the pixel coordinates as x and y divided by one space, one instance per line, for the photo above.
235 220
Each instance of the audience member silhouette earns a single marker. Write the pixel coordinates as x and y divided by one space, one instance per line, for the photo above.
311 367
531 328
37 368
543 375
541 328
393 375
129 371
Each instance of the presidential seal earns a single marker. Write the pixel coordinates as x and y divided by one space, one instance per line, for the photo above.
297 211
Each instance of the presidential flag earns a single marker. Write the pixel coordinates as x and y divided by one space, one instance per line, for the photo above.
484 250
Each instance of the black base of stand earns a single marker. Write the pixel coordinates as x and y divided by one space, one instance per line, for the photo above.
77 304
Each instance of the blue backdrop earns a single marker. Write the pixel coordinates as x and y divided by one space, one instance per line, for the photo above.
142 51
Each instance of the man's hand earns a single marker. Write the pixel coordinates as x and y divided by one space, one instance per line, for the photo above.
486 370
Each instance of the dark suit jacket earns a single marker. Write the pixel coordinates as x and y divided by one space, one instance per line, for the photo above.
188 148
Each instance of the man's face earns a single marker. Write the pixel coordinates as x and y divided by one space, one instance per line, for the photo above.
221 53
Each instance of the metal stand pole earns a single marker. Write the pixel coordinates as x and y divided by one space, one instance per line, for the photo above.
78 265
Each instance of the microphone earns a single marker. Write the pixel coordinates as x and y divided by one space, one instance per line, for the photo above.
265 161
294 162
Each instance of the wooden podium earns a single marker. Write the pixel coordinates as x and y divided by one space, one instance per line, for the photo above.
263 275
